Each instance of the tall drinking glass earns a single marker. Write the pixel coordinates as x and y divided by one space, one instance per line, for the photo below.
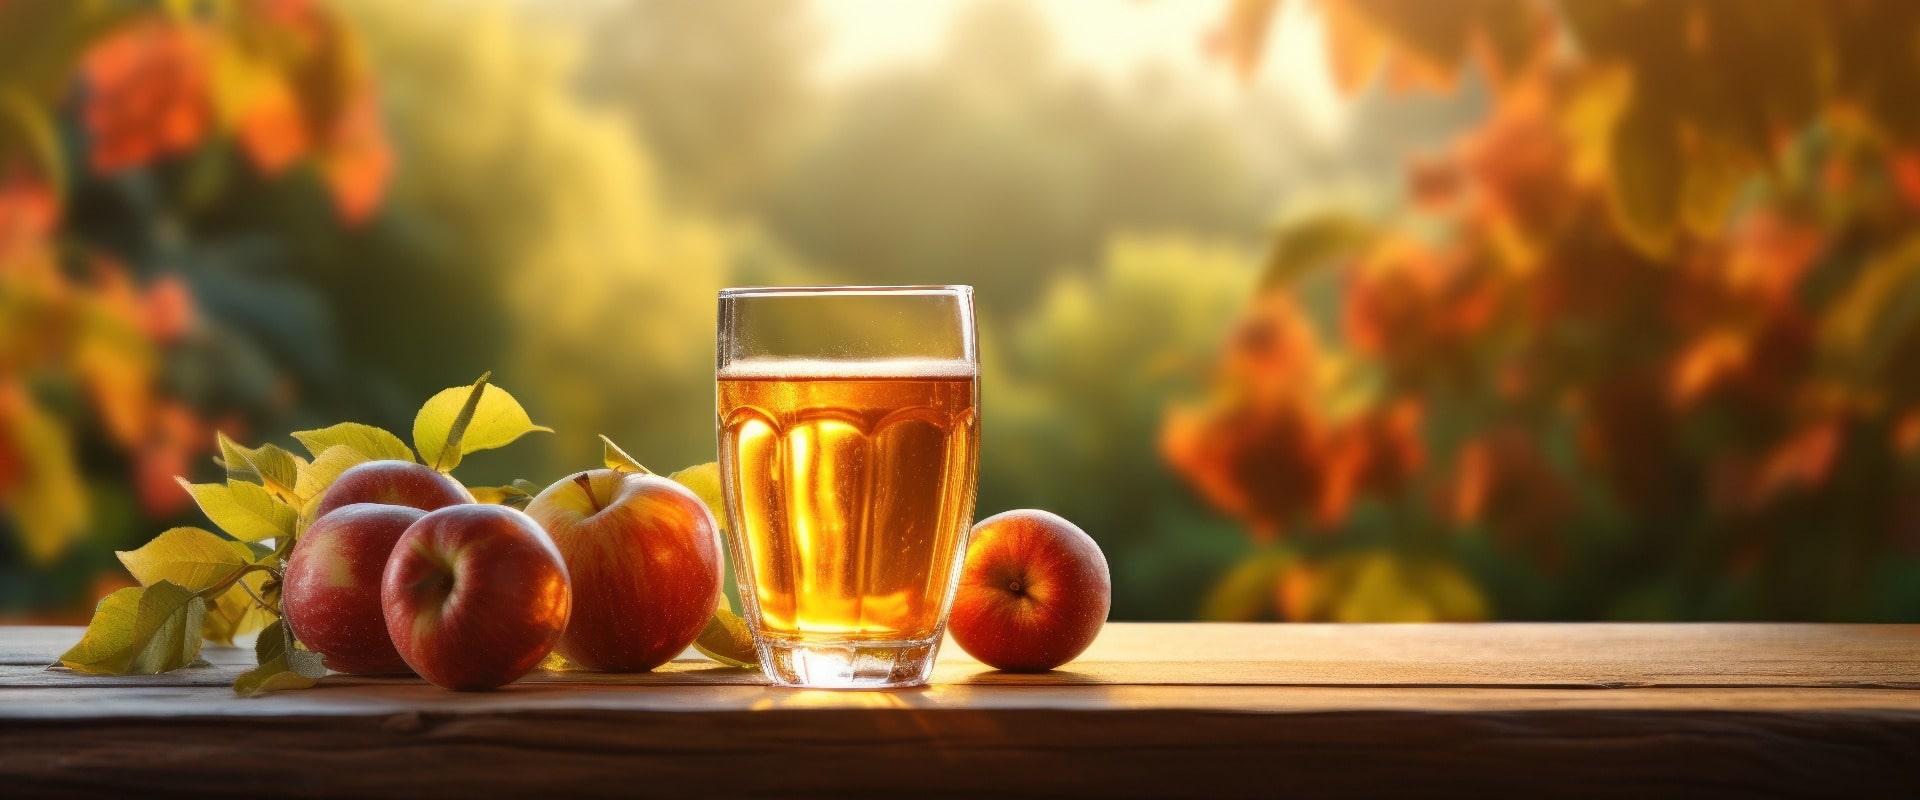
849 431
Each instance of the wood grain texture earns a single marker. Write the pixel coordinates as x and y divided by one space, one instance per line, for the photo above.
1151 710
1491 654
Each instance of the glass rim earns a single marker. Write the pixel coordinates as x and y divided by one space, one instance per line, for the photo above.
930 290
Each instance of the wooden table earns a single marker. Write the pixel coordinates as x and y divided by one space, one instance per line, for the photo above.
1188 709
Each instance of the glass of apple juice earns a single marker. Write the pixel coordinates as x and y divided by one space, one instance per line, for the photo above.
849 425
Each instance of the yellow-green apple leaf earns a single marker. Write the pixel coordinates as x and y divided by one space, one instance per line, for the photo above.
501 495
244 510
326 468
306 662
468 419
273 676
457 427
375 444
704 480
283 664
727 640
492 495
192 558
617 459
309 511
268 465
233 458
234 612
48 506
140 630
277 642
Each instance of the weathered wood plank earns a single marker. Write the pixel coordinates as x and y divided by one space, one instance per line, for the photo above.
1295 710
398 698
971 752
1501 654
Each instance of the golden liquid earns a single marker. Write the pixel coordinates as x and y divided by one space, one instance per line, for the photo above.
850 493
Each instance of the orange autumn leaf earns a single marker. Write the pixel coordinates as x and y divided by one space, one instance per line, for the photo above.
1340 459
177 438
1300 591
1906 176
1425 46
1769 254
116 363
1801 462
1515 168
315 101
1906 433
1755 358
166 311
1473 480
358 161
1706 363
84 338
1264 466
152 88
1417 307
1435 185
1263 449
272 129
1396 451
1659 301
147 93
29 211
1240 37
1355 48
1502 479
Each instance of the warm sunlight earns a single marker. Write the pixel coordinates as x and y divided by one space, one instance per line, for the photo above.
1115 38
1109 398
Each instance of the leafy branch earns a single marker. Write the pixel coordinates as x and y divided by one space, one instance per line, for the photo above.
198 585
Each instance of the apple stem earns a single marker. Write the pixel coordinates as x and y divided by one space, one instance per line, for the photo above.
1014 586
439 582
586 482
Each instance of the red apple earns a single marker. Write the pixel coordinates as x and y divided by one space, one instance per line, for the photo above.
331 589
475 596
394 483
1033 594
644 553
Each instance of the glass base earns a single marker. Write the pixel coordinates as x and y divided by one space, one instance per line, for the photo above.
828 664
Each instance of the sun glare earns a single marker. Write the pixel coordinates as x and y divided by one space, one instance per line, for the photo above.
1114 38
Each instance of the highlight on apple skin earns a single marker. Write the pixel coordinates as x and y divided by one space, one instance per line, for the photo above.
645 557
476 595
395 483
1034 592
331 589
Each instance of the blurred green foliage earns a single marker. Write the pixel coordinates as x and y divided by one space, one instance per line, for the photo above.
1072 393
591 292
719 121
997 165
573 187
555 193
